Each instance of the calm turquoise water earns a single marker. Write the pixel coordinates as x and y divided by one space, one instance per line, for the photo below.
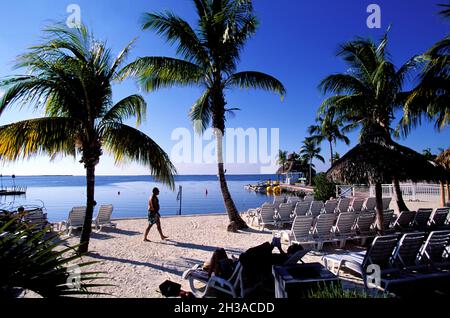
129 195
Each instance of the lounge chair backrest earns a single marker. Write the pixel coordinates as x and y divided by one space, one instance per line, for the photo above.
357 205
435 250
439 217
279 200
407 250
301 227
285 211
37 219
364 222
104 214
386 203
293 200
302 208
345 223
387 218
343 205
330 206
267 214
381 251
422 217
370 204
316 208
308 198
324 225
77 216
405 219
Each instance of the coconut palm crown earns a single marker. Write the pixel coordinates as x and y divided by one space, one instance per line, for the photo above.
208 58
69 78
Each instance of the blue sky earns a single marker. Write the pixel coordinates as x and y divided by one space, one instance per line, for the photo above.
297 42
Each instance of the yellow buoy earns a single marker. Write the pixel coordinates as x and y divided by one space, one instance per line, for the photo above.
269 190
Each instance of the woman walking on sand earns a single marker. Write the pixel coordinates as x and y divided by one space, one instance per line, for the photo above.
153 216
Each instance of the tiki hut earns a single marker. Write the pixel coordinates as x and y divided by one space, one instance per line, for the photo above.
295 166
380 160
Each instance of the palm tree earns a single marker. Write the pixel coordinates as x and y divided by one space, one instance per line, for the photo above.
282 158
431 97
310 150
69 76
328 128
446 11
369 93
209 55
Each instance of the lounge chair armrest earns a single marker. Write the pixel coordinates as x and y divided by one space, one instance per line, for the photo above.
217 281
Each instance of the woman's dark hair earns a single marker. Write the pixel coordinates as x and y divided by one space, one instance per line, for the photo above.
155 190
217 262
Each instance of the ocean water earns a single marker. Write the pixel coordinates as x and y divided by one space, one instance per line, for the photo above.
130 194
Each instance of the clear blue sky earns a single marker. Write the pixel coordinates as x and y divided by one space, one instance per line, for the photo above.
296 42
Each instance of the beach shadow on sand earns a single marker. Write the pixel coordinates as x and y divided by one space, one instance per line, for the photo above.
136 263
195 246
120 231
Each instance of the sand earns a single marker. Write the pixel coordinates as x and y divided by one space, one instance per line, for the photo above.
137 268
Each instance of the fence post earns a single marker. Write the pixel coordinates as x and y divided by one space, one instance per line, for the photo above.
414 191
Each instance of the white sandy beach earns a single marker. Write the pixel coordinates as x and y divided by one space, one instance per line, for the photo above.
137 268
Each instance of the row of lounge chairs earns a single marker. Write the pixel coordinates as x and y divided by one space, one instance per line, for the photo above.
283 213
401 259
78 214
342 227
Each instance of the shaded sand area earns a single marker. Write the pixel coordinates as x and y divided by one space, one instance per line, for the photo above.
137 268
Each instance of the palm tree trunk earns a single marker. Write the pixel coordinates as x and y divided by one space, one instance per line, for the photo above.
379 207
236 222
331 152
87 227
443 203
310 171
400 205
448 192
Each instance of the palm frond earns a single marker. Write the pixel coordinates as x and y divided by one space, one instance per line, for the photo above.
127 143
46 136
201 112
131 106
256 80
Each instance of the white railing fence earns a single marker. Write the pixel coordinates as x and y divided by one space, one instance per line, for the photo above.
410 191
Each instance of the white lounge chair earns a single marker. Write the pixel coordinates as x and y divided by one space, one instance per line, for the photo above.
363 226
103 218
370 204
76 219
284 214
293 200
435 250
404 221
302 208
406 253
422 217
300 231
357 205
212 287
37 219
330 206
267 217
344 228
438 218
379 254
322 230
343 205
316 208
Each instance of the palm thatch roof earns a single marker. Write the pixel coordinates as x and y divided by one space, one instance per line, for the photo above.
294 166
381 160
444 159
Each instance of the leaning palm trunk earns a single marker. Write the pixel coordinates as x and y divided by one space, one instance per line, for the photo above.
87 227
379 207
331 152
400 205
310 172
233 214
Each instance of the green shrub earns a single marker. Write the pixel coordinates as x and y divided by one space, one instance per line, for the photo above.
323 188
335 291
34 261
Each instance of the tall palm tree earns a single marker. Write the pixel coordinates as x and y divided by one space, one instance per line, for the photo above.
209 55
282 158
368 94
311 151
329 128
69 76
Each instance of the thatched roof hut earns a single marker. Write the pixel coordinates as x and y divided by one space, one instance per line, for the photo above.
381 161
444 159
